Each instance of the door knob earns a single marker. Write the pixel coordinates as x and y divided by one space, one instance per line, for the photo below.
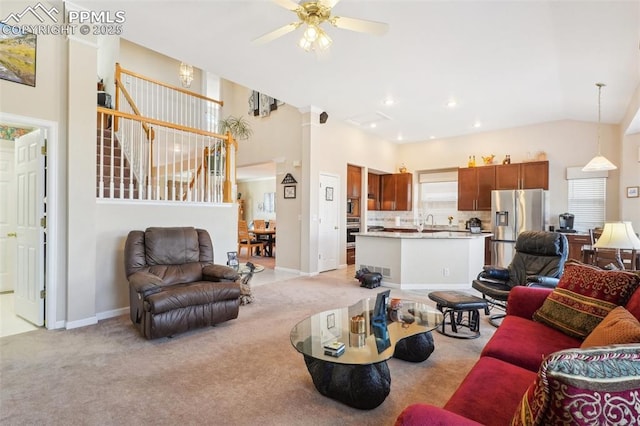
12 234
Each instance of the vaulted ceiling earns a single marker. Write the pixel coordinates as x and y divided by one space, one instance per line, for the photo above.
504 63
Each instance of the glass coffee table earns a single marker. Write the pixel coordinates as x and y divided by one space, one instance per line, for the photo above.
359 376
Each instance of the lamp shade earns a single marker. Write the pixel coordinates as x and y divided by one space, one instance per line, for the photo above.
599 163
618 235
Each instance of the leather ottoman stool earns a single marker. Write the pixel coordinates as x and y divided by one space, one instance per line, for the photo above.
454 304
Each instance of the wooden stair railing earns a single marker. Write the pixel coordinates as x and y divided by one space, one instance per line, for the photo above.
228 140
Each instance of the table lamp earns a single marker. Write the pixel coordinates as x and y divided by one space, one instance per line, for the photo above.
618 236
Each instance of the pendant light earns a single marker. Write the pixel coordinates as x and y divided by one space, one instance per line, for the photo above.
599 162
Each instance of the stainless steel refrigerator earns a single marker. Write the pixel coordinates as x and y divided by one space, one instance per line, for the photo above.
512 212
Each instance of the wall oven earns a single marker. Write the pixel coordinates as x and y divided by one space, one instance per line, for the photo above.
353 226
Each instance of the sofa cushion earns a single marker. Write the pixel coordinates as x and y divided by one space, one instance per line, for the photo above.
491 392
594 386
616 328
584 296
534 342
171 246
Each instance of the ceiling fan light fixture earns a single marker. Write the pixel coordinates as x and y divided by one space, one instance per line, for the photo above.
324 41
311 33
599 163
305 44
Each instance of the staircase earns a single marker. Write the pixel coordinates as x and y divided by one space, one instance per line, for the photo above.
112 168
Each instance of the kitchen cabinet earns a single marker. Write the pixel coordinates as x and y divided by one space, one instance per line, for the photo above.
354 181
532 175
396 191
576 242
351 256
373 191
474 187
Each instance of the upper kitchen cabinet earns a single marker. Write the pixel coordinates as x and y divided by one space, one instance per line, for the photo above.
396 191
474 187
354 181
532 175
373 191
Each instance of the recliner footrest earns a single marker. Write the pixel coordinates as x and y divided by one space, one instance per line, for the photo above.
453 304
197 293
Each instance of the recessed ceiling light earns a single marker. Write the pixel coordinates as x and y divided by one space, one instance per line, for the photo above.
399 136
373 125
388 102
432 137
477 124
452 103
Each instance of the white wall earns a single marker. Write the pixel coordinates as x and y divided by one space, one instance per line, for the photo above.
115 220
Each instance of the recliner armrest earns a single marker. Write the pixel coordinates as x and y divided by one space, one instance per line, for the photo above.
494 273
145 283
542 281
219 273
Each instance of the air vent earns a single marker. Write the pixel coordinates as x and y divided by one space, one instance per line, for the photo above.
386 272
368 119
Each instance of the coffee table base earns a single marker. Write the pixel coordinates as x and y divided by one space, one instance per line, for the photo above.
359 386
415 348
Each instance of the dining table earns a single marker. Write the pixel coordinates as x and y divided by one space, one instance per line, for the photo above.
268 235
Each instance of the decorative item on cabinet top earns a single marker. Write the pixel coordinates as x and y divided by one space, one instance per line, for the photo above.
488 159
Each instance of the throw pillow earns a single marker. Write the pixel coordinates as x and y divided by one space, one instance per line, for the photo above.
594 386
616 328
584 296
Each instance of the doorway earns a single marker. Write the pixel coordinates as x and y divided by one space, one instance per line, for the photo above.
26 235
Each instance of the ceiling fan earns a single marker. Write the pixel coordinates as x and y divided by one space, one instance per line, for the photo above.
313 14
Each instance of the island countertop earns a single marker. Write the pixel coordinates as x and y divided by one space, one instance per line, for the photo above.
432 235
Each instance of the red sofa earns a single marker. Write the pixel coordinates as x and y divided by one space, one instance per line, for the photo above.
508 366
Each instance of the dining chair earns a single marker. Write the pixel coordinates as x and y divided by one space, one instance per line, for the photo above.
247 239
259 224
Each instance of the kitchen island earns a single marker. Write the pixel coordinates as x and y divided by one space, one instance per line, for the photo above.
433 259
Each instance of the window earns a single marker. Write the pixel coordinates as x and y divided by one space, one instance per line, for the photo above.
587 194
438 195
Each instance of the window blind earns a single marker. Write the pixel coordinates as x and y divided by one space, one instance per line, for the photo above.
439 194
587 201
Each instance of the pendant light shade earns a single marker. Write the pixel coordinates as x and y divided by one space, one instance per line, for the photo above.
599 162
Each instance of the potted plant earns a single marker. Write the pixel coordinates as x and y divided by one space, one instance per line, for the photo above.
239 127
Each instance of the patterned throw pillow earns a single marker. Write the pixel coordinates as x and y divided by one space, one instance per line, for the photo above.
583 297
597 386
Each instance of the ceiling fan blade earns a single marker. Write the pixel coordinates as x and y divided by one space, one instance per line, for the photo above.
329 3
270 36
360 25
287 4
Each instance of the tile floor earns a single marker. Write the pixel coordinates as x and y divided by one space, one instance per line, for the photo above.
10 323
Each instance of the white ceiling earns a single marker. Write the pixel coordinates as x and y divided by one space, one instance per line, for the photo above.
506 63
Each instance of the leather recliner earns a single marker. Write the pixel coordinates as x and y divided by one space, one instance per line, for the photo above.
539 261
174 286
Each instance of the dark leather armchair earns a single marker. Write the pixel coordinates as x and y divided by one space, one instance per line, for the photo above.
174 285
539 261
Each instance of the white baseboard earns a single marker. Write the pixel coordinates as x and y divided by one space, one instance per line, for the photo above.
291 271
81 323
112 313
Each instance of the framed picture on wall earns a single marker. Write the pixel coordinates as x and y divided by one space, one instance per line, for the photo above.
632 192
19 55
289 191
328 194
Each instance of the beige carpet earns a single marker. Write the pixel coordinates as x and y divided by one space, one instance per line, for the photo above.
242 372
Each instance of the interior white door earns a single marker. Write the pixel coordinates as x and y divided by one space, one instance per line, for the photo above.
328 227
29 171
7 218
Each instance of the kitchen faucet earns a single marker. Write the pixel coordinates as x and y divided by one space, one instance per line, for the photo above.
427 218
